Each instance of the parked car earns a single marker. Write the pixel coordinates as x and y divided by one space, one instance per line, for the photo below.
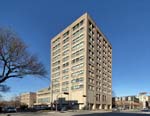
145 110
115 109
9 109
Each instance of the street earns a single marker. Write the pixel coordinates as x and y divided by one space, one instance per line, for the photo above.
78 113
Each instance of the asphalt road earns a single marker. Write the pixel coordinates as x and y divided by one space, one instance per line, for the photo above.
81 113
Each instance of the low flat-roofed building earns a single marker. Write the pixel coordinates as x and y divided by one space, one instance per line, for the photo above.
126 102
28 99
43 97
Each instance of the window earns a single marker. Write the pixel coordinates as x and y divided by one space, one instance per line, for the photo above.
78 25
56 41
65 52
77 80
65 88
65 70
56 46
65 34
91 60
91 39
91 88
65 40
78 73
77 39
56 57
77 59
81 22
56 90
74 87
65 77
56 63
65 46
65 83
56 85
77 66
78 32
56 69
56 74
75 27
79 52
56 80
65 58
66 64
78 46
56 52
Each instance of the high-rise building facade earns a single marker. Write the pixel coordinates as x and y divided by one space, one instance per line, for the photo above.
81 65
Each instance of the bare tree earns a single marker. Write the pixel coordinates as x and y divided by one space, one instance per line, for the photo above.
15 60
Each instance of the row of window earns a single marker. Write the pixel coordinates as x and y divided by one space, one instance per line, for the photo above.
56 46
56 80
65 34
75 87
56 58
79 45
77 39
56 85
78 25
65 52
74 74
65 40
56 74
77 80
56 52
65 88
77 73
77 59
56 41
78 32
65 58
65 83
65 77
66 46
43 100
79 52
56 63
65 70
78 66
56 68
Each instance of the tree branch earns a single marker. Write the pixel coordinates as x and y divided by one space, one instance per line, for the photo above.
15 60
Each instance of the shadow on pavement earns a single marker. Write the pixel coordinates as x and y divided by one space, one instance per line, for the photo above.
112 114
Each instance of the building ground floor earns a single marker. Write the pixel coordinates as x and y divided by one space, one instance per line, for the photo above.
91 106
75 104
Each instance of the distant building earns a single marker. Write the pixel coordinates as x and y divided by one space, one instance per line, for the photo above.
43 97
126 102
81 65
144 99
28 99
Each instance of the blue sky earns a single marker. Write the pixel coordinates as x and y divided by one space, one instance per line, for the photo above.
126 23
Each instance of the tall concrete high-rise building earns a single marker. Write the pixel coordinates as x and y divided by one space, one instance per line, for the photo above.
81 65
